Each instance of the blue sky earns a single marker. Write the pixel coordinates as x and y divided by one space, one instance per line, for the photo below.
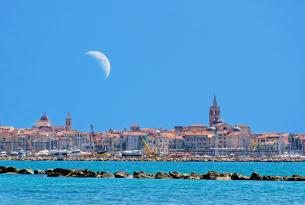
168 59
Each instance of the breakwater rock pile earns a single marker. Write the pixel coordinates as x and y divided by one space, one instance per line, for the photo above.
211 175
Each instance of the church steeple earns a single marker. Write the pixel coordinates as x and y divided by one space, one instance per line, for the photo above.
214 114
68 122
214 101
68 116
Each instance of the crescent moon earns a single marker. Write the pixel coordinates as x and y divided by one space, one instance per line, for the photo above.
102 59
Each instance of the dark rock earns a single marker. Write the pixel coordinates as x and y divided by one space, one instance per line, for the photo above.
121 174
25 171
193 176
211 175
76 173
81 173
2 169
73 173
11 170
39 172
273 178
162 175
61 171
53 174
89 173
107 175
236 176
70 173
49 171
295 178
256 176
224 176
176 175
142 175
57 172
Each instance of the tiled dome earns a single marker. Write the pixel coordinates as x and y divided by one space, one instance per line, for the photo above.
44 117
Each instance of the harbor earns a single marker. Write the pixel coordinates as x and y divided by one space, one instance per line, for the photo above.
217 141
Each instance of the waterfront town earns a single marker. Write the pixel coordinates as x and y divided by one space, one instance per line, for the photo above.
218 139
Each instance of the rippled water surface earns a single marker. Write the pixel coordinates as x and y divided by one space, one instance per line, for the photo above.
39 189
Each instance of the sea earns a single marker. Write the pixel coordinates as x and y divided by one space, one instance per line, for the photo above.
39 189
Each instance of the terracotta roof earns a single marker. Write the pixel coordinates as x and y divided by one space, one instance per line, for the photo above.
197 133
133 133
177 137
272 135
234 134
169 135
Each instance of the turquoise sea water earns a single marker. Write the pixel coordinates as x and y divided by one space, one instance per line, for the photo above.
39 189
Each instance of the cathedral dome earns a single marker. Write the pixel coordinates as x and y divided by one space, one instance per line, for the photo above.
44 117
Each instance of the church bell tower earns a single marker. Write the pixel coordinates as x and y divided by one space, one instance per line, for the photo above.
68 122
214 115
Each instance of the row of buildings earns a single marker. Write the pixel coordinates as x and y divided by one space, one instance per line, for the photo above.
219 138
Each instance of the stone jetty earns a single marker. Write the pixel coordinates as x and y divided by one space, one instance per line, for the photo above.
211 175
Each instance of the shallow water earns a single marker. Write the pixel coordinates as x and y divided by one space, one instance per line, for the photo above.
39 189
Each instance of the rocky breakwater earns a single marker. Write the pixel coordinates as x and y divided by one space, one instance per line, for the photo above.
211 175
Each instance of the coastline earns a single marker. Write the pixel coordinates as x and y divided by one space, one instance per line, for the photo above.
159 159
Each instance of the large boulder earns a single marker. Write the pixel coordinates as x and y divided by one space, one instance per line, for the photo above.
2 169
236 176
106 175
89 173
273 178
295 178
36 171
193 176
52 174
75 173
256 176
58 172
176 175
224 176
142 175
211 175
162 175
81 173
11 170
62 171
25 171
121 174
48 171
